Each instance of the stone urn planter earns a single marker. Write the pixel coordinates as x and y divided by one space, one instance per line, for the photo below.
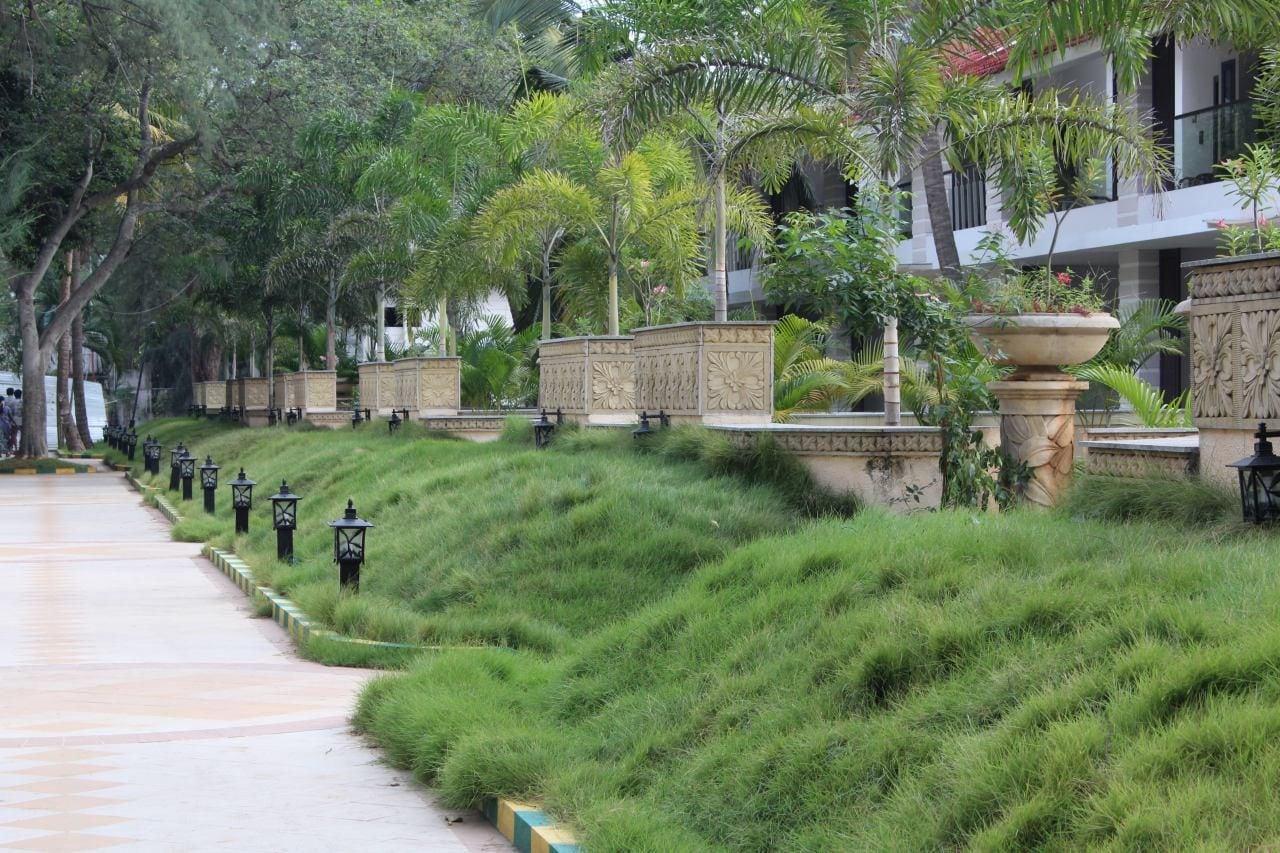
1038 401
1041 342
590 379
708 373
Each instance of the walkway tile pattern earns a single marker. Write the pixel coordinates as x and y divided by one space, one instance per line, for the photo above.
142 707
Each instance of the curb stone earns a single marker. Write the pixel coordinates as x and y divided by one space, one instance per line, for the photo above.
527 827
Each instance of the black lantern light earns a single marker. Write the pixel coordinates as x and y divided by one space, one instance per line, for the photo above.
355 416
348 546
394 423
1260 480
151 455
209 482
186 471
271 417
646 425
242 500
284 517
174 468
131 443
543 429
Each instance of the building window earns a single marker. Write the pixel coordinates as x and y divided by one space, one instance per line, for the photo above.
392 316
968 198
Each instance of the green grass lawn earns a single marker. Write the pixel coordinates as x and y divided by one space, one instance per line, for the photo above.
932 682
689 663
476 544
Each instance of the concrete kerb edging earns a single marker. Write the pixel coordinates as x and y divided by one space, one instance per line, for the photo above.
31 472
525 826
528 828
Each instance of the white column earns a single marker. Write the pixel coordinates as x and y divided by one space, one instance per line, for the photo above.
1139 278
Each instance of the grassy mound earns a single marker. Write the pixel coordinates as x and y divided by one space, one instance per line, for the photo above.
937 681
496 543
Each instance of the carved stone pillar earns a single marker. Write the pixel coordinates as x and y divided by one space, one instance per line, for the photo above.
1235 356
1037 427
427 387
316 390
253 393
590 379
377 386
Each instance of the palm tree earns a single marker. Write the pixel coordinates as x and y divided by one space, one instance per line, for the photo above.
612 202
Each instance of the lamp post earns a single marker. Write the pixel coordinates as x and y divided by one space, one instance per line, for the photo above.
355 415
394 423
151 455
187 471
209 482
174 468
543 429
646 428
131 442
348 546
284 518
1260 480
242 500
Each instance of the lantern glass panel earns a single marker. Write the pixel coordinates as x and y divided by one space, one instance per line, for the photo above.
187 467
242 497
348 543
285 514
209 478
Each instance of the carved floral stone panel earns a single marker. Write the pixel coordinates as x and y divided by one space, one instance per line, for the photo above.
1047 445
1211 366
1260 364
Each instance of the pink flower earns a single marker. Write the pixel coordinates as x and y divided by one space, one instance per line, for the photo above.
1262 220
1063 278
1220 224
660 290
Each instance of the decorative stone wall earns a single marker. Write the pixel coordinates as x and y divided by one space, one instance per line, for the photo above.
213 394
590 379
893 467
1143 458
1235 356
712 373
315 390
427 387
377 386
479 428
231 390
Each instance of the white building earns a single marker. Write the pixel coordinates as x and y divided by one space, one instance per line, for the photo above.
1133 237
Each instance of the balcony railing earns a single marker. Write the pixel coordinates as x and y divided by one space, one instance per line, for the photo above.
1204 138
968 199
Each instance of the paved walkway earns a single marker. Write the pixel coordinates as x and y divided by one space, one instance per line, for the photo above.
143 708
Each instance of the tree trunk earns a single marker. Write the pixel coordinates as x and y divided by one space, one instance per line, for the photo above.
546 291
33 442
380 345
271 359
935 193
442 322
68 436
613 296
892 379
77 381
331 325
720 253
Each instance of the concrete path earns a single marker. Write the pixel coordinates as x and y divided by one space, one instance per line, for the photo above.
142 707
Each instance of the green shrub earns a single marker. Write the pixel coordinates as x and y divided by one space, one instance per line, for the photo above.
1177 500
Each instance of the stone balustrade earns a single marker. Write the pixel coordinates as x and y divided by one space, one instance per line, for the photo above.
427 386
377 387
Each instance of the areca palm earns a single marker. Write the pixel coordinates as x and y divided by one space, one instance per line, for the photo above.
611 203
